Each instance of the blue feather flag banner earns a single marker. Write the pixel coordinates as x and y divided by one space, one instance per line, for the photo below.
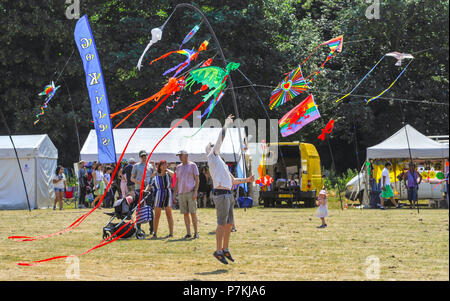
97 91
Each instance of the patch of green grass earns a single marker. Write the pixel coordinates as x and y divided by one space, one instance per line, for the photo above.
270 244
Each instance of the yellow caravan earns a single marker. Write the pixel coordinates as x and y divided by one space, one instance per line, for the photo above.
296 173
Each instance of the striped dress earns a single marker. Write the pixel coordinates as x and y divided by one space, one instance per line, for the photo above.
162 190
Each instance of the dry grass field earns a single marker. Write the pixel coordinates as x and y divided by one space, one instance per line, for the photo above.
270 244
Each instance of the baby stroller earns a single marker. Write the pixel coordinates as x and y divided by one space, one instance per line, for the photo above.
123 210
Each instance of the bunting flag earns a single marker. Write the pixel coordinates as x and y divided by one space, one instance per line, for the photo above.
97 91
299 116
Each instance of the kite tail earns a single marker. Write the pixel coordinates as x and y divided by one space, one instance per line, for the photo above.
365 76
81 218
168 108
390 86
105 242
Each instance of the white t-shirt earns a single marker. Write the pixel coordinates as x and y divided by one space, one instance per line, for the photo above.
385 173
219 171
59 184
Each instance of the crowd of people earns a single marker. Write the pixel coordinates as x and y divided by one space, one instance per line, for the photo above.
181 186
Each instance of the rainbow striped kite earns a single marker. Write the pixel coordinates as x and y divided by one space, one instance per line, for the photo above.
298 117
335 46
293 85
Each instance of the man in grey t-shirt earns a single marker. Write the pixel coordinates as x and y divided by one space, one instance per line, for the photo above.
138 171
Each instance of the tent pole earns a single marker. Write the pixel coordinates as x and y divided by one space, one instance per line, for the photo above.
17 157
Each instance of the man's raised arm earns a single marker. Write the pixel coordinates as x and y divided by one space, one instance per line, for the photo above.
221 137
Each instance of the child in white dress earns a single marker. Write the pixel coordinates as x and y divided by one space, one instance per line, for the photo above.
322 211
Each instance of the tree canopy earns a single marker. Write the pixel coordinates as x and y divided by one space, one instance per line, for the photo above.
268 38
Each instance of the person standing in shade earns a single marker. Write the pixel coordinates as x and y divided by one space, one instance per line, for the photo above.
82 184
127 172
410 178
386 188
186 189
59 182
223 198
203 188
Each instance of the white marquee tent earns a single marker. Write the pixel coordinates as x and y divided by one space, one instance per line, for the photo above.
396 146
178 139
38 159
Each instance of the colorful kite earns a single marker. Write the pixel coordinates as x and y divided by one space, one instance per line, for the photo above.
327 130
335 47
173 86
299 116
191 55
190 34
212 77
293 85
264 181
49 91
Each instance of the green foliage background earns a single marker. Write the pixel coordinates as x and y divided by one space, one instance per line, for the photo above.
268 38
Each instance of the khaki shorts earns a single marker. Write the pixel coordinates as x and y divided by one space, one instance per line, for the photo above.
187 204
224 208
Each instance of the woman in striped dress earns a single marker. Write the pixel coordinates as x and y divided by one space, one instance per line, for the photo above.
162 190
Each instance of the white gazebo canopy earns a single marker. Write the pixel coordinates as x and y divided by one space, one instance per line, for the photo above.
178 139
38 157
396 146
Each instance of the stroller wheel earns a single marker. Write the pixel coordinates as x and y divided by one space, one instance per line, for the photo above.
106 236
140 234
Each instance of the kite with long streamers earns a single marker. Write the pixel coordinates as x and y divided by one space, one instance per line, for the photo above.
191 55
115 236
335 47
77 222
299 116
399 56
327 130
189 36
215 79
173 86
49 91
293 85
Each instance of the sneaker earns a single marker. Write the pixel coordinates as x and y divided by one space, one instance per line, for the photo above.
188 236
399 206
382 208
170 235
154 236
196 236
321 226
220 257
227 254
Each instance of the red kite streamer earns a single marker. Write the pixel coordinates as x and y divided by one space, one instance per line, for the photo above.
106 241
81 218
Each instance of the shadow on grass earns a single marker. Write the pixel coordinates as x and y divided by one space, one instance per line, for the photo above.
180 239
216 272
